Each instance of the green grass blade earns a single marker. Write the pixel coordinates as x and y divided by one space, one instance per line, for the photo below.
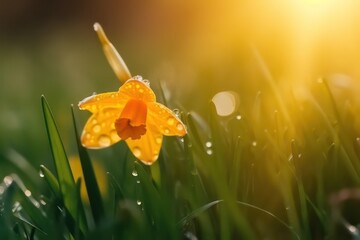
96 203
117 188
64 175
51 180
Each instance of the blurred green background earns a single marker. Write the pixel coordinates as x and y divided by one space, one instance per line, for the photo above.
194 48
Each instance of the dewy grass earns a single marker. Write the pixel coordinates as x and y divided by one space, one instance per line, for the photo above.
266 171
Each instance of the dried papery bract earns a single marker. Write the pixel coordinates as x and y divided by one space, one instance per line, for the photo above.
115 60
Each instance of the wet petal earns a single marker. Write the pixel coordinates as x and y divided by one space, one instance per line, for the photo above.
99 130
165 120
147 148
98 102
138 90
116 62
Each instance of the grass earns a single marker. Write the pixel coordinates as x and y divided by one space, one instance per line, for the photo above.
281 167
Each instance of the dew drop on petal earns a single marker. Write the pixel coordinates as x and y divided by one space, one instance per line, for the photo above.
96 128
134 173
114 136
166 131
155 157
180 127
209 152
158 140
254 143
238 117
104 141
176 112
208 144
146 82
138 202
137 77
136 151
171 121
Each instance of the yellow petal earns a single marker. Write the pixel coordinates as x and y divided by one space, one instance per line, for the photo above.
116 62
99 130
165 120
147 148
137 89
104 100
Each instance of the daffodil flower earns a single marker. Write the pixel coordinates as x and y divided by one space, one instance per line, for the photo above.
133 115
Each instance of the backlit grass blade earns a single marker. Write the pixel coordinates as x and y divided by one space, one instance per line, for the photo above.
154 205
51 180
64 175
118 191
92 187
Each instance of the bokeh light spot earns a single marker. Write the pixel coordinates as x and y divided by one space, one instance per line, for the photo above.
226 103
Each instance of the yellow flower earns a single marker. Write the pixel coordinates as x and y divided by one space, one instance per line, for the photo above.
131 114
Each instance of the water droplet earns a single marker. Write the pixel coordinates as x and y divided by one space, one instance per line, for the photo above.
353 229
182 140
209 152
208 144
27 193
134 173
141 90
138 202
87 135
42 202
171 121
146 82
137 181
114 136
176 112
94 107
94 121
180 127
8 180
96 128
41 174
166 131
238 117
104 141
158 140
16 207
137 86
136 151
287 208
254 143
137 77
